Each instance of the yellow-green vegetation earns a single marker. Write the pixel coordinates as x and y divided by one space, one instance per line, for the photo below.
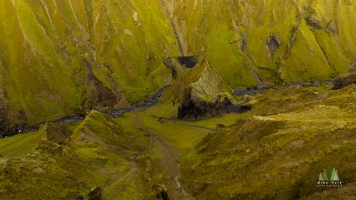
19 145
56 55
264 155
47 46
23 144
278 152
234 35
274 151
61 58
99 153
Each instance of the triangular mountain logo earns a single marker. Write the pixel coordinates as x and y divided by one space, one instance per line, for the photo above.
329 178
329 174
334 175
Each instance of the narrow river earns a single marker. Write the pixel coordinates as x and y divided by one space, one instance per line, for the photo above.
153 100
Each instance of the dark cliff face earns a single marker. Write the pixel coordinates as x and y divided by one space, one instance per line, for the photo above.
194 108
100 96
340 82
346 79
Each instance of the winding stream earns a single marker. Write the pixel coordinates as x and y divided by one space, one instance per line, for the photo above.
153 100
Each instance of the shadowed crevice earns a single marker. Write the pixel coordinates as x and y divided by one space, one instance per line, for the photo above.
178 64
273 45
188 61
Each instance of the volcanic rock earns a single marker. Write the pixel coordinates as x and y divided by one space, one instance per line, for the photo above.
344 80
95 194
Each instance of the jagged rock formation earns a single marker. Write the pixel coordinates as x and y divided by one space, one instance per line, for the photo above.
162 193
352 68
202 92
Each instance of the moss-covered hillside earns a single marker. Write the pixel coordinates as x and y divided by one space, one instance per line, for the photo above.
65 57
275 151
256 41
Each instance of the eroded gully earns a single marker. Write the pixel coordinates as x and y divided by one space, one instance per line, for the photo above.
171 162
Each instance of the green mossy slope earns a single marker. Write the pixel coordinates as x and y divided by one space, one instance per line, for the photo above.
278 152
313 40
99 153
55 54
275 151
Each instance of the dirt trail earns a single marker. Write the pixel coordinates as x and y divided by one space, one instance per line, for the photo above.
171 162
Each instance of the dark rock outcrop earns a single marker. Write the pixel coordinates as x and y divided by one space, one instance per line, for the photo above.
99 96
162 192
346 79
343 81
352 68
95 194
49 147
313 22
9 118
